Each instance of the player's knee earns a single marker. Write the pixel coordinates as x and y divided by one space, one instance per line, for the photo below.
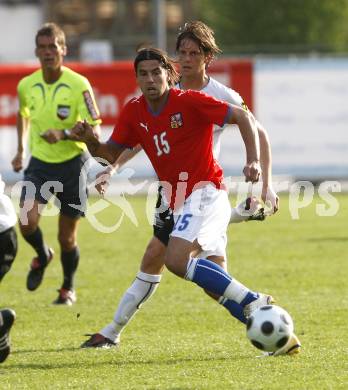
28 227
219 260
177 256
154 249
176 264
67 242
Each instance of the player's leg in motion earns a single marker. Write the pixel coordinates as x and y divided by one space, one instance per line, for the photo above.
142 288
69 257
73 201
235 309
202 222
210 276
31 232
145 283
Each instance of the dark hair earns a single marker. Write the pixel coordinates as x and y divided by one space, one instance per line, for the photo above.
51 30
200 33
151 53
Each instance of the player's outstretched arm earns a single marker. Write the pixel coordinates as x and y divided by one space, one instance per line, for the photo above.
268 194
248 129
84 132
103 177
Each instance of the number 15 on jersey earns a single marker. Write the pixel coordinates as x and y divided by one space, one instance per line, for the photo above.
161 143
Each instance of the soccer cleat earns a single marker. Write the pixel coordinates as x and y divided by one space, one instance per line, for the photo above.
249 210
291 348
262 300
37 271
259 215
97 340
65 297
7 317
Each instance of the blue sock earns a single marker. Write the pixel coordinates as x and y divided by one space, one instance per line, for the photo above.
250 297
213 278
208 275
235 309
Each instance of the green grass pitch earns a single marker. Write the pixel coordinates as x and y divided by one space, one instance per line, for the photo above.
181 339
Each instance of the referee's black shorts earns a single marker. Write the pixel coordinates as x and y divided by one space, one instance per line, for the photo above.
66 180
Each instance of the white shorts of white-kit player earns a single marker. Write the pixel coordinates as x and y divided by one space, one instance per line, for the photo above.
204 217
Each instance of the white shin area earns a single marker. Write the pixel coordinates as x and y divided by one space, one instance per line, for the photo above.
139 292
236 291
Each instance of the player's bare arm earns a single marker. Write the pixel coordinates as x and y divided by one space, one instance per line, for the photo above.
22 133
84 132
103 177
248 129
268 194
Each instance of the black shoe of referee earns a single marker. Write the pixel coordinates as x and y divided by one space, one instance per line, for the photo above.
37 271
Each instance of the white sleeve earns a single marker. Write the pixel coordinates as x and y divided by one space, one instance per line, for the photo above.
8 217
233 97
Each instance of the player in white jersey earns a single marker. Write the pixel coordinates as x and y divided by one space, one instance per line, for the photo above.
195 52
8 251
221 92
8 236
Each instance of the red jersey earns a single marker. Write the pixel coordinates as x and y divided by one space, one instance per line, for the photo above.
178 139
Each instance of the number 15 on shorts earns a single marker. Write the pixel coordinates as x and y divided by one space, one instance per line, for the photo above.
182 222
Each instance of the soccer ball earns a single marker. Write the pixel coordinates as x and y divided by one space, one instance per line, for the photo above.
269 328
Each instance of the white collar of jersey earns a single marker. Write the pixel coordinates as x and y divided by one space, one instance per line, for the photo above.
178 85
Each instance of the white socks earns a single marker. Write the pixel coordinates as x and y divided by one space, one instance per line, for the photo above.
140 291
236 291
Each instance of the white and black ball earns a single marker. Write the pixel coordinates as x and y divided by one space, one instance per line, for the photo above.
269 328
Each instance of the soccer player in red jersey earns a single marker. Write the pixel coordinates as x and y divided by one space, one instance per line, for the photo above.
175 127
196 48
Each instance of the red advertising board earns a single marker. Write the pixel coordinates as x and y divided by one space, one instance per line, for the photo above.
115 83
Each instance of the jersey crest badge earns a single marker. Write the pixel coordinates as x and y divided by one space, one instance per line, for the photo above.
176 121
63 111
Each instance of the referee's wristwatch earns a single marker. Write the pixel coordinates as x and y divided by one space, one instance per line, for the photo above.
66 134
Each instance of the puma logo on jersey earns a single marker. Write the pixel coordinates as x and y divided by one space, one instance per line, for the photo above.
144 125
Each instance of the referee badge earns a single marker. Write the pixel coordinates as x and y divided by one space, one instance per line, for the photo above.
63 111
176 121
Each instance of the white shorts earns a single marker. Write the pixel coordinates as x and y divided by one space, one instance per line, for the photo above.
204 217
